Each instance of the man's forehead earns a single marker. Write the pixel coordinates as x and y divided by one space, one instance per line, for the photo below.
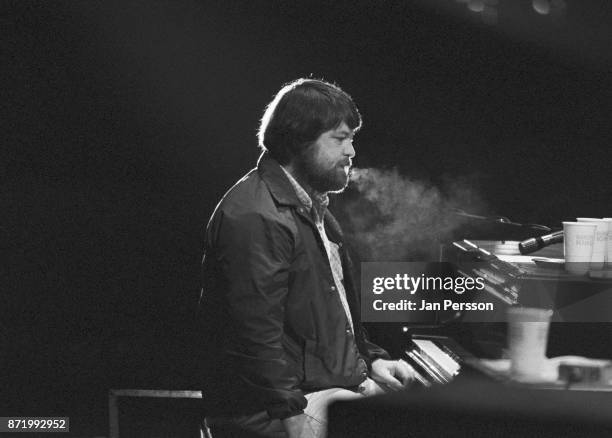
342 128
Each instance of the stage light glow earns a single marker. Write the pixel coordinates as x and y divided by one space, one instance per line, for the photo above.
476 5
541 6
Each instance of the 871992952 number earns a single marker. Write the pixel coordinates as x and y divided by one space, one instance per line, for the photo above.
34 424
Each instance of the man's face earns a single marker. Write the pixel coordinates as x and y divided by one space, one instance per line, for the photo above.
326 163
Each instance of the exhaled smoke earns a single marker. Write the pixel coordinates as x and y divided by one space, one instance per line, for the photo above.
395 218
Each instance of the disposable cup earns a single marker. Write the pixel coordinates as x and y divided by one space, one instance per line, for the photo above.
600 242
578 238
527 340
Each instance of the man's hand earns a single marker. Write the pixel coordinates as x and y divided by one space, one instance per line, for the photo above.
395 374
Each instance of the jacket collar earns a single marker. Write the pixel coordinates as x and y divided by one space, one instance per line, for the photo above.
283 192
279 185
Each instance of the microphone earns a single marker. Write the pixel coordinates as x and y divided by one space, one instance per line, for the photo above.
531 245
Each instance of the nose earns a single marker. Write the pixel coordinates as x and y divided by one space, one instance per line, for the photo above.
349 150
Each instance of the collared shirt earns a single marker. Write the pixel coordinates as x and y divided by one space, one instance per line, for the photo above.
317 208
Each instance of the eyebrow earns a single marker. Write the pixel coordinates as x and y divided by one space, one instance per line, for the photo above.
346 132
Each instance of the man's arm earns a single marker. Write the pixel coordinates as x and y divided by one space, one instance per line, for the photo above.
372 351
254 253
393 374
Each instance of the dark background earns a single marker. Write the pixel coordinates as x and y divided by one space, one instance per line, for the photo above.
126 121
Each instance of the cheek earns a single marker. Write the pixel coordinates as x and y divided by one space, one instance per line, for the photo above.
327 153
323 157
331 154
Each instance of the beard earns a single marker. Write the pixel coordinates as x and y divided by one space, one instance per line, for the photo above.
330 179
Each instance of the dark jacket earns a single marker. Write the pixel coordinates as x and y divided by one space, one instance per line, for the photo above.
274 326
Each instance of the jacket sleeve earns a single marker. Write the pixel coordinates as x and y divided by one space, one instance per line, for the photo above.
254 254
371 351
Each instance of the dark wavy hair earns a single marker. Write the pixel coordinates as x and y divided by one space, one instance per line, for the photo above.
300 112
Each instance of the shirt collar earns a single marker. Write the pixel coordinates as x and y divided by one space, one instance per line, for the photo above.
321 200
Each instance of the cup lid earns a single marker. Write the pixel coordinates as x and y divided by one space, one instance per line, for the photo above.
580 224
529 314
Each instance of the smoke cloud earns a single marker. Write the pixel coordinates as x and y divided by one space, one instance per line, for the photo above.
393 218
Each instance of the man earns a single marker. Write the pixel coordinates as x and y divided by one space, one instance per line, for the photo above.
279 304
